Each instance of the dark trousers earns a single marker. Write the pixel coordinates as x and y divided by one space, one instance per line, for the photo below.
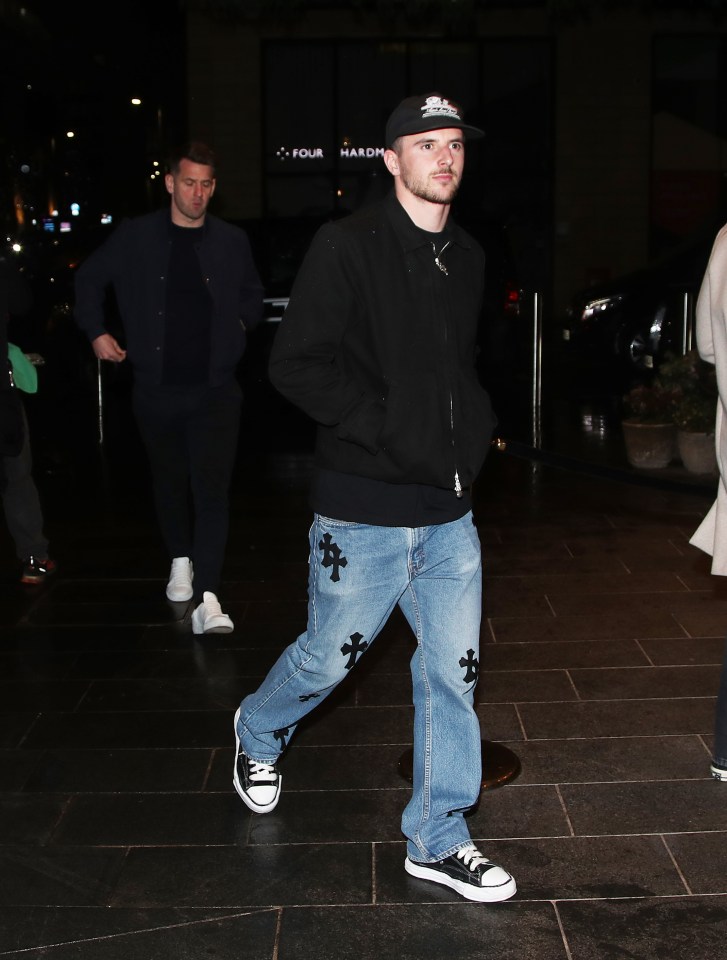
21 504
191 435
720 720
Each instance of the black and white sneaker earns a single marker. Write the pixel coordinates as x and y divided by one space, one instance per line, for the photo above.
469 873
258 784
718 771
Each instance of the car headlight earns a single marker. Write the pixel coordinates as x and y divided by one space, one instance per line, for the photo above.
657 324
594 308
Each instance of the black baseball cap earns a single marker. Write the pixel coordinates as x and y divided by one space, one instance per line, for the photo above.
430 111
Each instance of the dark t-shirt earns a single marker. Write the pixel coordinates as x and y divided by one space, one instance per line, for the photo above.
342 496
188 319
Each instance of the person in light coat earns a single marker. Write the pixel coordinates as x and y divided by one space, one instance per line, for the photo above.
711 535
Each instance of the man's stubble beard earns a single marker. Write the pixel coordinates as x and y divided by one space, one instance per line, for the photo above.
191 213
421 188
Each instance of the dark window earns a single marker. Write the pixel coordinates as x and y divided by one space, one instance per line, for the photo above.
689 125
325 108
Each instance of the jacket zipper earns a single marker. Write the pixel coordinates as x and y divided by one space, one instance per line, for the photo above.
457 484
443 269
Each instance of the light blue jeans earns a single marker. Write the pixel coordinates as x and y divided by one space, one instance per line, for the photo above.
357 574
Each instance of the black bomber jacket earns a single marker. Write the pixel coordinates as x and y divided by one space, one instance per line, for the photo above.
378 346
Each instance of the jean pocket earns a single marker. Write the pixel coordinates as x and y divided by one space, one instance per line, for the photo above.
337 524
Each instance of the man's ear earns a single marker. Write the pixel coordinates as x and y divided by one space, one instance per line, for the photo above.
391 160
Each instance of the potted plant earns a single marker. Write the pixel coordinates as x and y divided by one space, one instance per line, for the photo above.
695 383
648 425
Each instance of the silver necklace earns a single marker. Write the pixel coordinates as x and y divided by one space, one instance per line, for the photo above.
437 257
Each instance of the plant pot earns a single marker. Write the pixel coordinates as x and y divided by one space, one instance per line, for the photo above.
649 446
697 451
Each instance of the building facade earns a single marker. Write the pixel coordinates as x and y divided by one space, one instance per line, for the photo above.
605 136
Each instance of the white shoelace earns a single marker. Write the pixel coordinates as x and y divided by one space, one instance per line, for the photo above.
261 771
471 857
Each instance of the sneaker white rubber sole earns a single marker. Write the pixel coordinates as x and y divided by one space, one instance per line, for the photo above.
491 894
719 773
217 624
209 618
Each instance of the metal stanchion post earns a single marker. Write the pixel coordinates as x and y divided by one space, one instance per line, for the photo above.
537 371
99 402
687 322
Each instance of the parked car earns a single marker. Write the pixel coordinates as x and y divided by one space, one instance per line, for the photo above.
632 322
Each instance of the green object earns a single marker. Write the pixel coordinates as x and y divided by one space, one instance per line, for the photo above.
24 373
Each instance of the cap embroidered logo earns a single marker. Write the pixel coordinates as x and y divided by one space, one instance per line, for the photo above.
439 107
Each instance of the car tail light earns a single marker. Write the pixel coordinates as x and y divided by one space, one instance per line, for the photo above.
512 299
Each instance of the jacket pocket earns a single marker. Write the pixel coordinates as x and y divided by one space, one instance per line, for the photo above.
416 434
362 425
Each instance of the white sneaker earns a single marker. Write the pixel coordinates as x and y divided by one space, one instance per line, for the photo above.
209 618
181 575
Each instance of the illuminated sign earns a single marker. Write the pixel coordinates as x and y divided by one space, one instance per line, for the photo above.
361 152
300 153
318 153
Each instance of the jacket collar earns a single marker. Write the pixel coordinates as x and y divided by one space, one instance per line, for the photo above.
410 235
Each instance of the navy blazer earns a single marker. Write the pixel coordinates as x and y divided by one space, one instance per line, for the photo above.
134 262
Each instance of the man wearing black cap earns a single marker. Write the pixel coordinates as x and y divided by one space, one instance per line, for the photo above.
377 345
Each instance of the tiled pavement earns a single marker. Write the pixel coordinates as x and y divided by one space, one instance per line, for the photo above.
121 835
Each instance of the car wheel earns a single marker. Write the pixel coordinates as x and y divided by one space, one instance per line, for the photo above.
636 348
639 352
